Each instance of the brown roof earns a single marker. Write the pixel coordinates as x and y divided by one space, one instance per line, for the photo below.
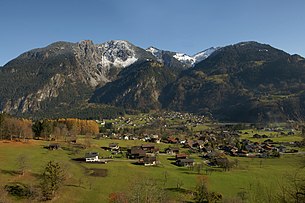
137 151
149 159
148 146
179 156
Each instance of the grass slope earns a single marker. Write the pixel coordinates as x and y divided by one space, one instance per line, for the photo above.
250 175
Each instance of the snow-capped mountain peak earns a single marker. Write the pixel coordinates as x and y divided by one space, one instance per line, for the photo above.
117 53
155 52
193 60
186 59
102 62
204 54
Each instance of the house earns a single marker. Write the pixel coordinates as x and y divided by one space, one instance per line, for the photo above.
228 149
185 162
267 147
92 157
53 146
148 161
155 139
269 141
282 149
149 148
189 144
256 136
264 136
290 133
181 156
135 152
172 150
199 144
114 146
172 140
213 155
73 140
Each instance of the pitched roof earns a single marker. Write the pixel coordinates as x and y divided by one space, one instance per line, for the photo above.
91 154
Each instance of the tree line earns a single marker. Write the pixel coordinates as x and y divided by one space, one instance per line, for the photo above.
63 128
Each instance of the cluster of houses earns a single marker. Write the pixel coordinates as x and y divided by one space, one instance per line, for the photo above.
146 154
122 126
247 148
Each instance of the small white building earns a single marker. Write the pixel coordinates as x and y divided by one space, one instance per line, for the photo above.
92 157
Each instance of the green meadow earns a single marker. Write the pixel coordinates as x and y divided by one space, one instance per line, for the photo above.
249 176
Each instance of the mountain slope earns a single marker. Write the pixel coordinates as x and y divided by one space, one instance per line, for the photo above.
138 86
62 75
243 82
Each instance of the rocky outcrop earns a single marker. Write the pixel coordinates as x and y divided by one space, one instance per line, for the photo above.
31 102
101 63
41 75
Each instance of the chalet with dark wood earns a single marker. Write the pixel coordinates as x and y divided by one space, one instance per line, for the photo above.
282 149
172 140
135 152
172 150
148 161
185 162
149 148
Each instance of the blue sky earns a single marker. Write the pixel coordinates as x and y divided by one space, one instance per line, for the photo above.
179 25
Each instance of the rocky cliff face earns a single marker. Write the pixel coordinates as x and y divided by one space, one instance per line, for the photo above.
32 101
44 74
139 86
101 63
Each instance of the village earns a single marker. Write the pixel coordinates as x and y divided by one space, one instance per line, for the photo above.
184 137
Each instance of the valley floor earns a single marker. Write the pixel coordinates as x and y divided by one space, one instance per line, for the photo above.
253 179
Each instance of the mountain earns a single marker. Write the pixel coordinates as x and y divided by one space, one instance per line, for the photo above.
138 87
247 81
186 60
63 75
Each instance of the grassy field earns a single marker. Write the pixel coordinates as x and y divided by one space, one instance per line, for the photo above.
81 187
275 136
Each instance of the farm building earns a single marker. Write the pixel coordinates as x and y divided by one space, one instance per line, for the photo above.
185 162
92 157
148 161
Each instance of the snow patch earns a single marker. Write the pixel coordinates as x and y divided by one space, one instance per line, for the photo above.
184 58
204 54
193 60
118 53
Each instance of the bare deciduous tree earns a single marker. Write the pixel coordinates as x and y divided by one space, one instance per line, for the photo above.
22 163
